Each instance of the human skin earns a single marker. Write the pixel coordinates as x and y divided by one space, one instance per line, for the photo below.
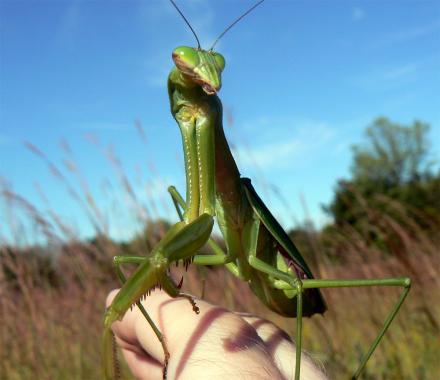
210 345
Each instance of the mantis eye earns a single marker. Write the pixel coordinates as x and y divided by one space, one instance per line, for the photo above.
220 60
186 56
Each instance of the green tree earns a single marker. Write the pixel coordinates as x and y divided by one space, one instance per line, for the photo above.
392 163
393 154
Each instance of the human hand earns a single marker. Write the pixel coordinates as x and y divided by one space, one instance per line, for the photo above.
210 345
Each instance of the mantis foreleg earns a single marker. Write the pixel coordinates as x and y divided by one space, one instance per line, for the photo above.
219 257
120 260
180 243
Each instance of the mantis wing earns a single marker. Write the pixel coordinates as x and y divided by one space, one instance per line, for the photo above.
286 247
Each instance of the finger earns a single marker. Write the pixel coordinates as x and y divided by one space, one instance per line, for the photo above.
143 366
203 345
141 363
283 350
213 343
123 330
278 344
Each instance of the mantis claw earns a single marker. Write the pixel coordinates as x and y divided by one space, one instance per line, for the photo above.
180 283
191 301
165 365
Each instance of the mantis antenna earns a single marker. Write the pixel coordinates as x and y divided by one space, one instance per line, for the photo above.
187 23
235 22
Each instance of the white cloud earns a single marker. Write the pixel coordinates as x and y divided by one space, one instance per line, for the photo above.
357 14
269 154
408 34
307 141
400 71
386 78
70 23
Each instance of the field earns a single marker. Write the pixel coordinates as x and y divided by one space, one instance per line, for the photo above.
52 299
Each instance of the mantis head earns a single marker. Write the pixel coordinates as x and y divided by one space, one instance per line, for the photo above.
204 67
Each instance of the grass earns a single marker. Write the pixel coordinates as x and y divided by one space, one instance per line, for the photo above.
52 296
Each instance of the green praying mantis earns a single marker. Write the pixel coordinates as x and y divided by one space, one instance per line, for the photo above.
258 250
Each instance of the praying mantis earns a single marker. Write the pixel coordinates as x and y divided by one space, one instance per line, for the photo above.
258 250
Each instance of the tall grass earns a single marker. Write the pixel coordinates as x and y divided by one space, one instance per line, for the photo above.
52 295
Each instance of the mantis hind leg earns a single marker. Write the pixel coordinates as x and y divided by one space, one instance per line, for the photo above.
286 281
294 283
403 282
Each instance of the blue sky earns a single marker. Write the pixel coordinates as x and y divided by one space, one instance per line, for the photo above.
302 81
